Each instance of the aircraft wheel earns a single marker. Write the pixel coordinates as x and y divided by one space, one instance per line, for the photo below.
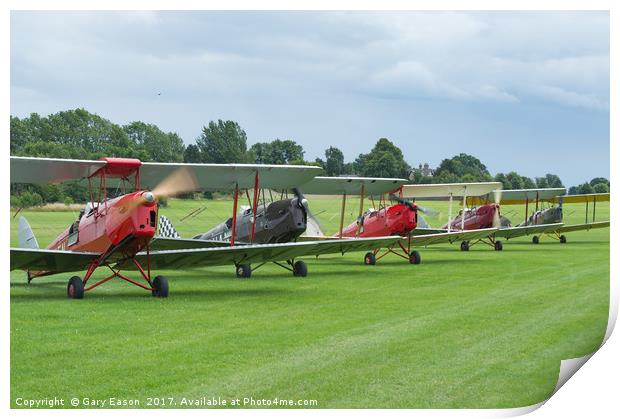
160 287
535 240
464 246
415 258
499 246
562 238
75 288
300 268
370 259
244 270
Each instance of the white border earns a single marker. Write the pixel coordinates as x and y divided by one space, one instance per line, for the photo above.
592 392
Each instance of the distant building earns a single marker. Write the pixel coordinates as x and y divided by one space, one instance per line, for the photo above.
425 169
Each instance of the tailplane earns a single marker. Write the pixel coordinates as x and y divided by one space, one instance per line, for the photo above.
26 237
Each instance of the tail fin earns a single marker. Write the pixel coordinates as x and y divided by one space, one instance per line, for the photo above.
165 228
27 240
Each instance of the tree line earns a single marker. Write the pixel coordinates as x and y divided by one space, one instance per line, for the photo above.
79 134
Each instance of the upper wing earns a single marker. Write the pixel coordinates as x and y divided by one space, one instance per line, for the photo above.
50 260
585 226
445 190
43 170
351 185
189 258
512 232
582 198
518 196
451 237
208 176
226 176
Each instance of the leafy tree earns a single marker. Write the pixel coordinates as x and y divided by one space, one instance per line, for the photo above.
528 183
277 152
384 160
516 182
597 180
458 166
154 144
500 177
541 182
223 142
553 181
334 161
601 188
585 188
192 154
573 190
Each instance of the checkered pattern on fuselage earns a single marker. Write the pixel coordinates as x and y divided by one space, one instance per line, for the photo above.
165 228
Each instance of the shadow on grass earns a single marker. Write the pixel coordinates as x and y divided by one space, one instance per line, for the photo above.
203 294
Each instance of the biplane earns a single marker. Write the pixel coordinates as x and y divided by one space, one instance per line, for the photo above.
384 217
117 232
485 217
549 221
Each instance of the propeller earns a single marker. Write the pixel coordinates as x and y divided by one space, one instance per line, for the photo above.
497 219
428 211
313 227
403 201
182 180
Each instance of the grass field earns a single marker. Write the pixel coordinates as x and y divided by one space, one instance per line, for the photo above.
477 329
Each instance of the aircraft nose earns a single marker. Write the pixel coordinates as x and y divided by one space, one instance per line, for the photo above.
148 197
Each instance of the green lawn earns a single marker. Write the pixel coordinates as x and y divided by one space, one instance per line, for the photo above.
463 329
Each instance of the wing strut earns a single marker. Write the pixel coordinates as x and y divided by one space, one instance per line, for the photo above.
359 217
527 202
234 216
344 202
463 214
254 204
450 213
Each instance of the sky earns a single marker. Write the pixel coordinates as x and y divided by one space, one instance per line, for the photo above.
523 91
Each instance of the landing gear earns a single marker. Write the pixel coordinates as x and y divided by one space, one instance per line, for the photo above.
562 238
498 246
244 270
160 287
370 259
535 239
300 269
464 246
75 288
415 258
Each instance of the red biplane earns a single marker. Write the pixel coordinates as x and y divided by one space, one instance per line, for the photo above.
117 232
385 218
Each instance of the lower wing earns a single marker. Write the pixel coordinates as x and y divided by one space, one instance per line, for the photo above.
214 256
585 226
181 255
512 232
450 237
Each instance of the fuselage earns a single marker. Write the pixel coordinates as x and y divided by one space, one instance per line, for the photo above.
277 222
546 216
128 220
397 219
475 218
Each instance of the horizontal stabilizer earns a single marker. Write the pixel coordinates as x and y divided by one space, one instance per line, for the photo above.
26 236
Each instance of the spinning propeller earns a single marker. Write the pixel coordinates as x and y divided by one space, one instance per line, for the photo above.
313 227
180 181
497 220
